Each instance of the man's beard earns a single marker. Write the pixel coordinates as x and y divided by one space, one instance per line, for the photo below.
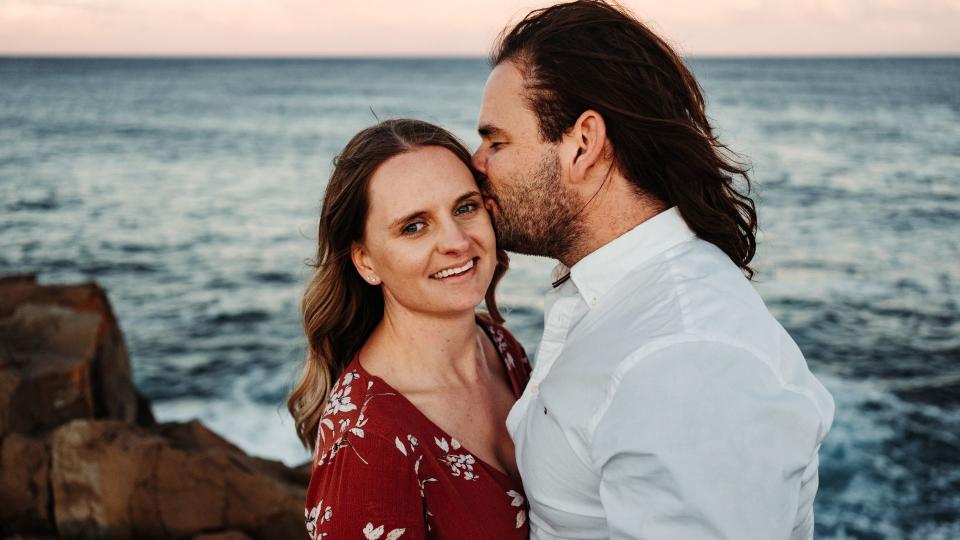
537 216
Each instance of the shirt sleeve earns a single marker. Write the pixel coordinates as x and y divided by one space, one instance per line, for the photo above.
702 441
367 489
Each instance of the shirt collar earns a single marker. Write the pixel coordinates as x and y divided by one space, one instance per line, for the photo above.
599 271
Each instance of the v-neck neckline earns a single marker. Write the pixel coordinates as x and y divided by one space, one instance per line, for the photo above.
483 326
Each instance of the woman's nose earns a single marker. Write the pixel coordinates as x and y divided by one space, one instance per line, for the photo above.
453 239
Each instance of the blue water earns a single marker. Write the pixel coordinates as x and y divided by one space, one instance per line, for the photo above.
190 190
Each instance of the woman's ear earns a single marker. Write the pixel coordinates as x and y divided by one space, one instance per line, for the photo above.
589 137
361 261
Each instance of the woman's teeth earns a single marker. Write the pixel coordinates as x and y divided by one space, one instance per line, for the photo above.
453 271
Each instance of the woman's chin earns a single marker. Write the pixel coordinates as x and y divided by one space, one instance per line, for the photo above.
461 304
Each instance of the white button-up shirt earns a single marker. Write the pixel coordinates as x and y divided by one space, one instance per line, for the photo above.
666 402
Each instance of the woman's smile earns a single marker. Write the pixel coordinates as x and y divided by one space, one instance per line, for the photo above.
457 273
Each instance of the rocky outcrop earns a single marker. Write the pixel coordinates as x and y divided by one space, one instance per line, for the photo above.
62 356
80 453
122 482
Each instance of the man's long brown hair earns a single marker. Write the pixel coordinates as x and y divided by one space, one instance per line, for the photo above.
340 309
593 55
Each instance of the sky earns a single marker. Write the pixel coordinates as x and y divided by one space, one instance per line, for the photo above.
459 28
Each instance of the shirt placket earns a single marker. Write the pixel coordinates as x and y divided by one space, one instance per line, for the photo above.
559 321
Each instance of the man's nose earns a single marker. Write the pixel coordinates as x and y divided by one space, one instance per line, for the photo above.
480 161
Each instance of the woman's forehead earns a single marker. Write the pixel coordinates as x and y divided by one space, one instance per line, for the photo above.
421 180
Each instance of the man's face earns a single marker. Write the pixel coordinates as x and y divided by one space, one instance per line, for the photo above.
533 212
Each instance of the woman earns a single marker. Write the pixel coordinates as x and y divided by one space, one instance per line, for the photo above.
409 441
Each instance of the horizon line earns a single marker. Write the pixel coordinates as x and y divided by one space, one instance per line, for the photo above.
301 56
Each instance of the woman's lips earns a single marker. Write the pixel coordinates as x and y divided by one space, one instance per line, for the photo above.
456 271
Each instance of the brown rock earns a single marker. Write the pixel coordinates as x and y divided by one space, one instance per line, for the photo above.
193 435
9 383
96 468
62 356
226 535
21 289
47 364
113 480
24 486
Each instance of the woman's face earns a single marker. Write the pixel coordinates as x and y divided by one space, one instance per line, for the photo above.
428 238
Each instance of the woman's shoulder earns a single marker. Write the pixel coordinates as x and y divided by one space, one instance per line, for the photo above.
363 479
359 411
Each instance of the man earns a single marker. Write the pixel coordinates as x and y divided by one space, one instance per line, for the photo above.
666 401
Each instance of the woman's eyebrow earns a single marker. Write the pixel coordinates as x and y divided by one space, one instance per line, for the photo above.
466 196
423 213
411 216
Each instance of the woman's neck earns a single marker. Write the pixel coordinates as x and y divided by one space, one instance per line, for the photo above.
418 352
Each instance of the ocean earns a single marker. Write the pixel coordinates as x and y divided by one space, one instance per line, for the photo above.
190 189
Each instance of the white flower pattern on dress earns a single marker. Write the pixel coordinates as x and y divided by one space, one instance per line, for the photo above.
502 345
518 502
461 464
340 400
416 465
374 533
420 480
338 403
315 519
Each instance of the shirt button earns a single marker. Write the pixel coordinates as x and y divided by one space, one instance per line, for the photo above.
534 389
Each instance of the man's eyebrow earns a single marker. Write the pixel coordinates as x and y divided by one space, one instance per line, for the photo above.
489 130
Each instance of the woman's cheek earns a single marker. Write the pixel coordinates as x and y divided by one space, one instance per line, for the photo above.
485 232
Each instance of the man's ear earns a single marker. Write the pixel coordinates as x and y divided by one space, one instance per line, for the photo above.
363 264
588 136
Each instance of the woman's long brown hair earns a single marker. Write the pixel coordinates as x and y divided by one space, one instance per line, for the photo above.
340 309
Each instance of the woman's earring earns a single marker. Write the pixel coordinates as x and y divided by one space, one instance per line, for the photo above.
372 279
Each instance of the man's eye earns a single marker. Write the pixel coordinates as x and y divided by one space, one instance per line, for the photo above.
467 208
495 145
413 228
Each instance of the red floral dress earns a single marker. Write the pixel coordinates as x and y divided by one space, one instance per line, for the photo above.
383 471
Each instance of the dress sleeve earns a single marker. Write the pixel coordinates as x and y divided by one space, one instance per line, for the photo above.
367 489
702 441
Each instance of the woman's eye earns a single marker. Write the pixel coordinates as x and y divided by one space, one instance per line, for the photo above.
466 208
495 145
413 228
